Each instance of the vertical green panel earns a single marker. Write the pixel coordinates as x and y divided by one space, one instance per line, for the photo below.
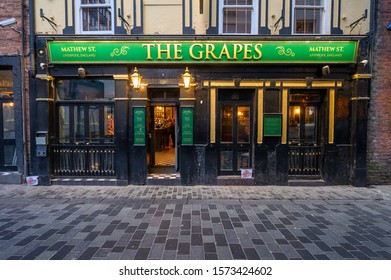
139 125
187 126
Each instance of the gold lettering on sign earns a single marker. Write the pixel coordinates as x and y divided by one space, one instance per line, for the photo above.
199 53
149 46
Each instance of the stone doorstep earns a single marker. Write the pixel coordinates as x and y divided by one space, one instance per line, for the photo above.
234 181
306 182
11 178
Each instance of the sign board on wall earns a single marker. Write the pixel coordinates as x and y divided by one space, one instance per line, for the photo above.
272 124
139 125
187 125
202 51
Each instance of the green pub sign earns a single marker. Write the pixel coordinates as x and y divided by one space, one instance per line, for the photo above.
201 51
187 126
139 125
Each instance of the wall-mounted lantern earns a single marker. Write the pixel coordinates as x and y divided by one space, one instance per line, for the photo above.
186 79
136 78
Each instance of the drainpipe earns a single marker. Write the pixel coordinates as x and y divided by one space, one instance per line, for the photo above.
23 82
32 70
372 32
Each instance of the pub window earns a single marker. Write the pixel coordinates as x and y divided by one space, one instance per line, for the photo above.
85 111
95 16
8 156
311 17
238 16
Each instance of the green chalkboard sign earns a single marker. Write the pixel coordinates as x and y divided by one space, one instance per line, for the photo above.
272 124
139 125
187 126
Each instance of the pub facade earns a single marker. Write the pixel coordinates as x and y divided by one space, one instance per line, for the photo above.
200 92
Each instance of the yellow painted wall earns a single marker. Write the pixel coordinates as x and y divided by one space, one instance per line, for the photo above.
275 12
165 16
127 13
200 21
162 17
52 9
351 11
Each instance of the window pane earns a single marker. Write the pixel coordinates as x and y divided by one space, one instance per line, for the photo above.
244 159
309 2
79 127
226 124
6 83
310 118
97 2
8 121
109 121
94 123
308 20
63 124
294 122
226 160
243 126
10 155
96 19
86 90
237 20
238 2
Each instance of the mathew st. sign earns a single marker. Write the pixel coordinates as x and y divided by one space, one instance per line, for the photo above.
202 52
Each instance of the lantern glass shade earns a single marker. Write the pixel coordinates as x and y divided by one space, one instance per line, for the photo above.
186 79
136 78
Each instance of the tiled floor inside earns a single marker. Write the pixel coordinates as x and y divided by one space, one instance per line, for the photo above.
165 157
164 165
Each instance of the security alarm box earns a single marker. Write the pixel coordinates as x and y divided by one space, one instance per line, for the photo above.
41 138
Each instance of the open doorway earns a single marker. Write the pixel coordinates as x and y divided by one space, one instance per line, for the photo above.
163 132
164 127
163 147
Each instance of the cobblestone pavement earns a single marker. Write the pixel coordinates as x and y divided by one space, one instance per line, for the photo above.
195 222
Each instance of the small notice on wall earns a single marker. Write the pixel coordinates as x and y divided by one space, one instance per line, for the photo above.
139 125
187 126
272 124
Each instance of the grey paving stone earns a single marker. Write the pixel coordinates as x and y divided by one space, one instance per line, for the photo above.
197 252
336 222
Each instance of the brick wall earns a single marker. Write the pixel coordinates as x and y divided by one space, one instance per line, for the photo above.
10 42
379 122
11 51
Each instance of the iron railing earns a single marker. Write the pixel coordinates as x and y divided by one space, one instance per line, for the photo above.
84 160
305 160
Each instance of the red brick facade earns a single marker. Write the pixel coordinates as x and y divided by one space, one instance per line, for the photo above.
379 122
10 42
